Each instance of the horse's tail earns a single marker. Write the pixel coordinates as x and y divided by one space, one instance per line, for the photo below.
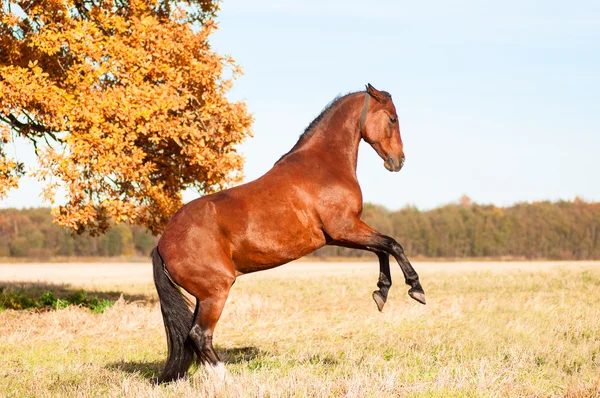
178 321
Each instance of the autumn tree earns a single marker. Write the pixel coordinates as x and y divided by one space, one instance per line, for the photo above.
124 103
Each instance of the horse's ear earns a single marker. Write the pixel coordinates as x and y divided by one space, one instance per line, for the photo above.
376 94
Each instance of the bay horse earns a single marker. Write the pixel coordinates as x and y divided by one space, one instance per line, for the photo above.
310 198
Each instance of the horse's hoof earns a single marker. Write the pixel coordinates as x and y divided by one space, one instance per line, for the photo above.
417 295
379 300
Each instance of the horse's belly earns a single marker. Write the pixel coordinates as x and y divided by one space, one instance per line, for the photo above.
263 248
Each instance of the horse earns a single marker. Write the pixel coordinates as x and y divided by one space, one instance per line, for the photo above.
309 198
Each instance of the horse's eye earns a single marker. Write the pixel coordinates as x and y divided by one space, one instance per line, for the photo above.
393 119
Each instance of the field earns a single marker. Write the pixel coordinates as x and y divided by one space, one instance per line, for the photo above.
312 329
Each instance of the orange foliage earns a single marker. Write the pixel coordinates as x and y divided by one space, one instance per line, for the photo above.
124 102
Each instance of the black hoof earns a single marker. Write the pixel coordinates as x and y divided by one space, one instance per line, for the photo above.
379 300
418 295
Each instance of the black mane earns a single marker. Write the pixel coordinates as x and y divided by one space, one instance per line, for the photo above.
315 122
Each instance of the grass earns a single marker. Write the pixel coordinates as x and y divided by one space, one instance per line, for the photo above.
318 333
23 299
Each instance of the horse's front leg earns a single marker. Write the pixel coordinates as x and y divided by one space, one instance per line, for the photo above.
358 234
385 280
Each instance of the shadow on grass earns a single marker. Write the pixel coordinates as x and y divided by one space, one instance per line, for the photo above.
148 370
27 293
238 354
151 370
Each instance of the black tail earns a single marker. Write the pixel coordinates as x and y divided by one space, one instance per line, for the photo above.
178 321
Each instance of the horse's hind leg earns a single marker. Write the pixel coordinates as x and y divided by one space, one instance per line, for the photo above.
211 293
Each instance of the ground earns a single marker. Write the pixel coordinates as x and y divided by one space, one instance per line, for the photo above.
312 329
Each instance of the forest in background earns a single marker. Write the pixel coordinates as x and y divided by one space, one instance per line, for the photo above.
561 230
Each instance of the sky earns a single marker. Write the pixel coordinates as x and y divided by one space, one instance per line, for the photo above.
497 100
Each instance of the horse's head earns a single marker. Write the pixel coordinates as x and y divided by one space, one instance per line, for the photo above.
379 127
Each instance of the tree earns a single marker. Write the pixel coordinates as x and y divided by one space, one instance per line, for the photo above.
124 103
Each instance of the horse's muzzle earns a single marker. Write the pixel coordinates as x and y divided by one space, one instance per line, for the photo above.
394 164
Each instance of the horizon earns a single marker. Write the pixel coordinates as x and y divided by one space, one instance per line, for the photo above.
497 101
457 202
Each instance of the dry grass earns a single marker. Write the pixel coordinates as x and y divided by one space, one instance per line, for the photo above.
310 329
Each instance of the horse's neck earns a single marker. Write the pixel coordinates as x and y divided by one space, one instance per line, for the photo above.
336 139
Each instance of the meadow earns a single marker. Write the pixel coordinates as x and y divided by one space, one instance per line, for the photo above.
311 329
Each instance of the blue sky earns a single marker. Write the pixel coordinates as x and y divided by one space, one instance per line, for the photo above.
496 100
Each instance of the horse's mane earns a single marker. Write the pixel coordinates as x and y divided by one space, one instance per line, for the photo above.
307 132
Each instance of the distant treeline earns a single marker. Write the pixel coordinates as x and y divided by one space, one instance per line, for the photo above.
541 230
31 233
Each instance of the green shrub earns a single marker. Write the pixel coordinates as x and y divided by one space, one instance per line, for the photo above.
48 298
48 301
